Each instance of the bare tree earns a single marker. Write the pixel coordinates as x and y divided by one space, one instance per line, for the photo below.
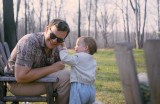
58 10
112 25
158 10
124 19
1 26
103 25
115 36
18 6
49 10
88 10
9 24
79 18
139 35
106 22
25 5
95 21
40 14
136 10
55 7
144 24
60 7
31 20
125 16
127 19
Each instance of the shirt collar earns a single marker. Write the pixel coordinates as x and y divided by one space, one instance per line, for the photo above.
42 40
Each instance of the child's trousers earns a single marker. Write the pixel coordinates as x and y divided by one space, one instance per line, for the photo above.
82 93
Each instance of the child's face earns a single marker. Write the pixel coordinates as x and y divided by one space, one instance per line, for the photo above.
80 46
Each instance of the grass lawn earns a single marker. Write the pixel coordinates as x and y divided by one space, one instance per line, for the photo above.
108 85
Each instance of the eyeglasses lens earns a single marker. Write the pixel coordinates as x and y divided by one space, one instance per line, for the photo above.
53 36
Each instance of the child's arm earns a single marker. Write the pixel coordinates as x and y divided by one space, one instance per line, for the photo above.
65 56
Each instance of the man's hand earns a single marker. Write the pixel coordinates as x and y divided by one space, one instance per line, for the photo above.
58 66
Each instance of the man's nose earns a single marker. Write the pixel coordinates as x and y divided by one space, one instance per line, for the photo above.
54 40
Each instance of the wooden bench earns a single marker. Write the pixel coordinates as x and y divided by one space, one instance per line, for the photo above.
128 72
50 97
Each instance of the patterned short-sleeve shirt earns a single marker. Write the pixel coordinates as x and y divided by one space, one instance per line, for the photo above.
29 52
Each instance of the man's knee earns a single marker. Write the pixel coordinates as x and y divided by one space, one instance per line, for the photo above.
63 75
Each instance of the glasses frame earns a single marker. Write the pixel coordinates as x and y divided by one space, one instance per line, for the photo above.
53 36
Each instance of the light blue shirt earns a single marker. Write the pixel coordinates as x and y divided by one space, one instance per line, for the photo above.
83 66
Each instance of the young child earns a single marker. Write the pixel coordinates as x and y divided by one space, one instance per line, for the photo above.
83 70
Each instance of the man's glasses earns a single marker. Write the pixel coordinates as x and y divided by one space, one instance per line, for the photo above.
53 36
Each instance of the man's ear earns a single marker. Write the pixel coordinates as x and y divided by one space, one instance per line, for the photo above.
46 29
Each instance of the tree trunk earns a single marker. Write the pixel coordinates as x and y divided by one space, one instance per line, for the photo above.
18 6
59 10
79 19
136 17
127 19
144 24
40 15
124 20
137 25
158 10
9 24
89 16
25 16
48 11
95 22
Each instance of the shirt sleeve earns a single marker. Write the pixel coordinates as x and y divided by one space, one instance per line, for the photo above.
26 51
67 58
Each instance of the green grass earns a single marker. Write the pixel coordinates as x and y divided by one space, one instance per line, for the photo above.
108 84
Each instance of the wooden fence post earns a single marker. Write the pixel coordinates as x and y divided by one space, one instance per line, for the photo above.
152 56
128 74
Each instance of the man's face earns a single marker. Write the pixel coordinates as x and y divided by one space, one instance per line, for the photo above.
53 37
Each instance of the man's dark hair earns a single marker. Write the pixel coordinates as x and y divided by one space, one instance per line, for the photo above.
60 24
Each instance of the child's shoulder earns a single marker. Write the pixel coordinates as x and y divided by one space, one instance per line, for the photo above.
83 55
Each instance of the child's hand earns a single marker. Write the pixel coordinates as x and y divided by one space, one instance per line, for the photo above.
62 46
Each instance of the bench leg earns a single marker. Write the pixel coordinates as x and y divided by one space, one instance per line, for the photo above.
49 90
2 102
55 94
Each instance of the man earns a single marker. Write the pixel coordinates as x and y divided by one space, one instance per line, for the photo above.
36 56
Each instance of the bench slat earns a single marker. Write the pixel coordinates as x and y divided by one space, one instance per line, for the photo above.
11 79
2 52
6 47
2 64
25 98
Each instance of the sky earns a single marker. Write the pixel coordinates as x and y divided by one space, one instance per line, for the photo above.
71 9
